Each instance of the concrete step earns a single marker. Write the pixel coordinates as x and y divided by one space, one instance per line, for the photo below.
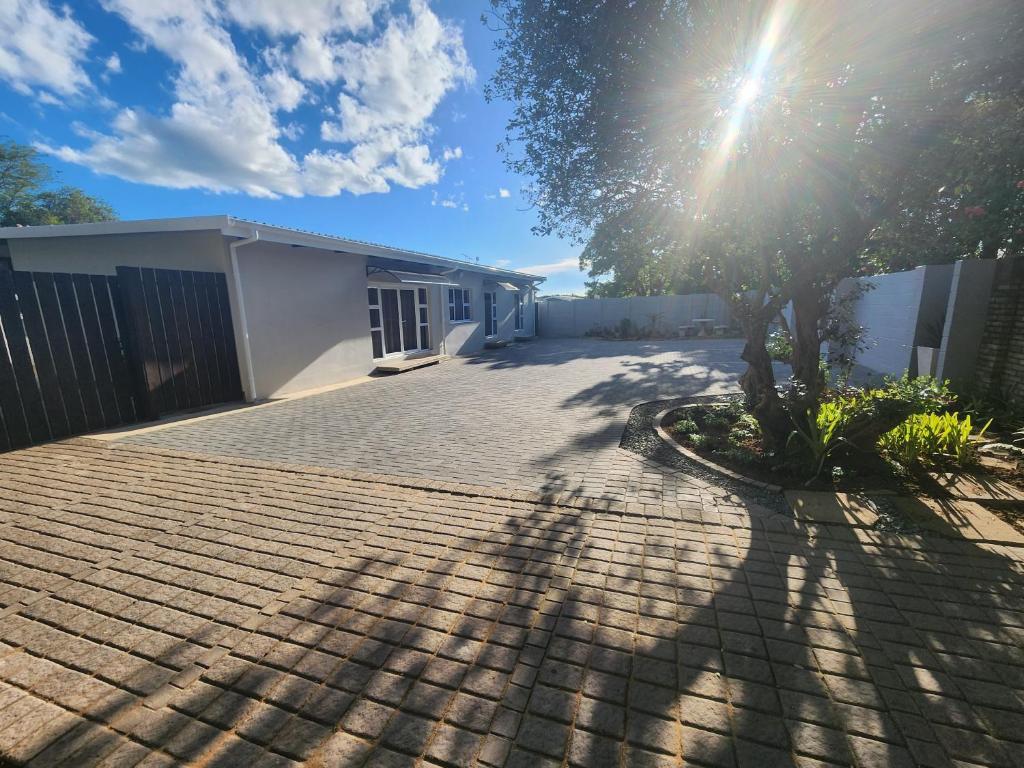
400 365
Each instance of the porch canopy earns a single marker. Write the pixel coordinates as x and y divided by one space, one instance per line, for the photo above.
401 272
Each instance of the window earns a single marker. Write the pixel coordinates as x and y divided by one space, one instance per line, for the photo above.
376 324
519 311
459 306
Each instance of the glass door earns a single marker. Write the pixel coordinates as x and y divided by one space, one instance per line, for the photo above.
398 321
490 313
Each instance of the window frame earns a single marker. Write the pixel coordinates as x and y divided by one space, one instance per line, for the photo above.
493 319
520 312
422 318
464 306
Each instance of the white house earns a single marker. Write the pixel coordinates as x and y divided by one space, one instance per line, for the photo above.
308 310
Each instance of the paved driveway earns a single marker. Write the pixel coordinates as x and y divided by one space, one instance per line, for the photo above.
542 415
162 607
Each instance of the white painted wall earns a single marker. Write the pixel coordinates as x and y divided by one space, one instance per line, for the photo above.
577 317
897 315
307 315
202 251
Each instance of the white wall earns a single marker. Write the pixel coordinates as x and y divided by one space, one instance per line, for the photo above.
307 315
898 313
202 251
577 317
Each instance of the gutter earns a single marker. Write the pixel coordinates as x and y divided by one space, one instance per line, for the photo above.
237 278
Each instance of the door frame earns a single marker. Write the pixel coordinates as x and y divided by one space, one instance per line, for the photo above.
378 286
493 316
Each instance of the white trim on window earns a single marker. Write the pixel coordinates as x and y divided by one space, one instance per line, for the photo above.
519 310
460 305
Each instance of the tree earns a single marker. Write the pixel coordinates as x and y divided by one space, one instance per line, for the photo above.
25 200
774 140
642 259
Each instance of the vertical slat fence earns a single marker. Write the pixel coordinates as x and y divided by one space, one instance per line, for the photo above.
180 334
63 370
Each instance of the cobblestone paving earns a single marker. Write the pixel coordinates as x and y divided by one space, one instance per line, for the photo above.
162 608
545 415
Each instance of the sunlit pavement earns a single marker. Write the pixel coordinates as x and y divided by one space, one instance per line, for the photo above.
163 607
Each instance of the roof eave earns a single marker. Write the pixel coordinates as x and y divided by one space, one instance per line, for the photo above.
230 226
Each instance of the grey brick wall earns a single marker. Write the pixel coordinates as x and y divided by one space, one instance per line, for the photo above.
1000 368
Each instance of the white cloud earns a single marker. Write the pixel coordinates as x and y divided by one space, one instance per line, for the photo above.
565 265
278 18
283 90
222 132
113 63
41 47
502 262
450 201
502 192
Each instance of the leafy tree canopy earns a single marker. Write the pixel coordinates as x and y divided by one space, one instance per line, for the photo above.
781 145
26 199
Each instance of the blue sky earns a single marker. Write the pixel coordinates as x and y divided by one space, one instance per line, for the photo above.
363 118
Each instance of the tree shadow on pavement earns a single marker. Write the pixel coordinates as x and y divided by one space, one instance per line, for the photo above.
498 630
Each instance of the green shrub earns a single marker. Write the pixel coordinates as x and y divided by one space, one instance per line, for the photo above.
717 421
685 426
736 455
744 430
779 346
698 440
822 433
923 394
926 439
880 409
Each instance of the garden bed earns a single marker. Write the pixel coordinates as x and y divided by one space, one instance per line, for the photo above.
723 435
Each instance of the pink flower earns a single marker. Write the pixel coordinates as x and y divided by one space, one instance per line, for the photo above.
974 211
1020 184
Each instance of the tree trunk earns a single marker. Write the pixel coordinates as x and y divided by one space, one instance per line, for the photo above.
758 383
808 313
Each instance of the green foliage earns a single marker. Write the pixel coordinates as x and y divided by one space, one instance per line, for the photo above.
927 439
737 455
822 433
633 256
878 410
698 440
779 346
25 200
717 421
918 395
744 430
685 426
1006 408
625 115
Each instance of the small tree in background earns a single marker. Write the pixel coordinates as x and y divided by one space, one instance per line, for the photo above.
26 200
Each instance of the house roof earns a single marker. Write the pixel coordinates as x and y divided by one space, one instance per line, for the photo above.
231 226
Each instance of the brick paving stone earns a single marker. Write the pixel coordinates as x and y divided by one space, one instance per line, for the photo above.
557 388
247 612
455 746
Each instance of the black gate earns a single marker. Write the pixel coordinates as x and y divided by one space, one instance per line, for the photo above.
80 353
180 334
63 370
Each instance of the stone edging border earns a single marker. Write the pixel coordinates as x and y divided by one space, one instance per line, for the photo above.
671 443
